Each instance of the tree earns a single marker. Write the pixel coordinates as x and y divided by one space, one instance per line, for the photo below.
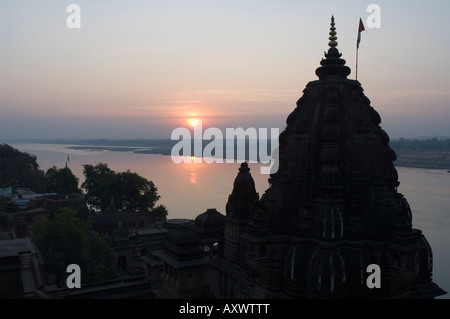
135 193
19 169
99 184
61 181
66 240
129 191
160 213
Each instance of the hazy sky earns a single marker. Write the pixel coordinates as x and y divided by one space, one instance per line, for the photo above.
139 69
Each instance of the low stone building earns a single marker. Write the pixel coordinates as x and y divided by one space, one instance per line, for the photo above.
21 270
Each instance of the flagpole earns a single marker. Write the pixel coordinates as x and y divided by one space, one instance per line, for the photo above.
357 63
360 29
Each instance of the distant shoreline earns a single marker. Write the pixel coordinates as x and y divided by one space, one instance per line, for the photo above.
423 159
414 158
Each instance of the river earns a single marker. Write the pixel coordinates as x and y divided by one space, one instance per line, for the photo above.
189 189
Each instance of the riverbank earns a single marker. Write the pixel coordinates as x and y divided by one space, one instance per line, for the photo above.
423 159
417 157
405 157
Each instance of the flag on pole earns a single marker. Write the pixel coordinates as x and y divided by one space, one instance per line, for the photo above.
360 29
68 158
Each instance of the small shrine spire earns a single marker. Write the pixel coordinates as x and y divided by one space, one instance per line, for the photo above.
333 43
332 64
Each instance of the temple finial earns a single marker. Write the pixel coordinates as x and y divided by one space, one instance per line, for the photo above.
333 43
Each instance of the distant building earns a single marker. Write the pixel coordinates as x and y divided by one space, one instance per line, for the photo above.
6 192
17 224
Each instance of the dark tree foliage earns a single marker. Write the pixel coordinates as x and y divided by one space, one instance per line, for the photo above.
99 185
135 193
66 240
61 181
160 213
20 169
129 191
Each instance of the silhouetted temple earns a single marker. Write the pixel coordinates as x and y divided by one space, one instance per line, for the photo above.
332 208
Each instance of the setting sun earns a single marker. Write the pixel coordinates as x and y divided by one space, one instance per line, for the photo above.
193 122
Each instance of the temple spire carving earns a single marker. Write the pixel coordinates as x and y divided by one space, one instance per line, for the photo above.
333 43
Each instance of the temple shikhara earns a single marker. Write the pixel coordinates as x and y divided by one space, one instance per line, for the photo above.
332 208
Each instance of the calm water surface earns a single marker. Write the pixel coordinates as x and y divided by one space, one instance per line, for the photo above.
189 189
